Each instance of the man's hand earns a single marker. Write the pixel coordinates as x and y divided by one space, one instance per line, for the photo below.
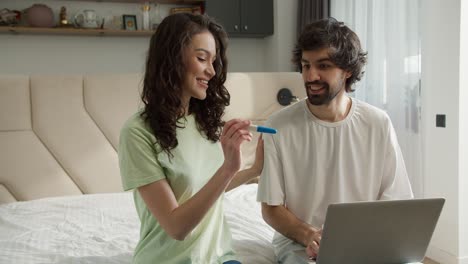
313 244
286 223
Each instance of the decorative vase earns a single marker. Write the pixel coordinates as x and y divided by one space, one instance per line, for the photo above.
40 15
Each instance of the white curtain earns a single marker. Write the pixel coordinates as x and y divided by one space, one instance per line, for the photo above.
389 32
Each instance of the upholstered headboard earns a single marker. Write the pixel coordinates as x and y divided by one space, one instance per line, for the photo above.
59 134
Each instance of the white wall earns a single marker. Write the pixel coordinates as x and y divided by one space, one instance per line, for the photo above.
445 148
279 46
463 132
26 54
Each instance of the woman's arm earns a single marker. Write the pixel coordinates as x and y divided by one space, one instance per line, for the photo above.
254 171
179 220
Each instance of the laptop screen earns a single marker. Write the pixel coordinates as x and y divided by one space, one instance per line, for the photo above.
396 231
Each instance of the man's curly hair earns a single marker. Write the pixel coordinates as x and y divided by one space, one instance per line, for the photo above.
344 44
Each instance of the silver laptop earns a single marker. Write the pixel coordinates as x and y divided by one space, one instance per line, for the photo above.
397 231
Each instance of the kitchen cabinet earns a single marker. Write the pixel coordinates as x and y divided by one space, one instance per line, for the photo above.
243 18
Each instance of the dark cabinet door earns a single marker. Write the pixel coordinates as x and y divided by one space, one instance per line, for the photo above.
243 18
226 12
257 17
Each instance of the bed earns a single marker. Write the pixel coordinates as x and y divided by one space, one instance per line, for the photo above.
104 228
61 200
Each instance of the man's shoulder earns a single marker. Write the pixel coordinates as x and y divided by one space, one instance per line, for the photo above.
287 115
370 113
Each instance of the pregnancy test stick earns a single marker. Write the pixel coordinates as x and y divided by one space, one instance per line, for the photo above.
262 129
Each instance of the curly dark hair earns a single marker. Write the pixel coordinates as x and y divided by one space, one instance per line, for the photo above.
164 75
345 46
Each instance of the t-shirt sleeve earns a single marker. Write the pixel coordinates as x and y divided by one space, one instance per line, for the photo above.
271 184
138 158
395 181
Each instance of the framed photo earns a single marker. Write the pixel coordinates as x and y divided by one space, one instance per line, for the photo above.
129 22
176 10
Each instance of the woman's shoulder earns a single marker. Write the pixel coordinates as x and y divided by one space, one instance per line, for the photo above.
135 124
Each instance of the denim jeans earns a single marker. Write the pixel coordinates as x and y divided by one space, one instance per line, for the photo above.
232 262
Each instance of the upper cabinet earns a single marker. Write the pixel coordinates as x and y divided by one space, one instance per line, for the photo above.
243 18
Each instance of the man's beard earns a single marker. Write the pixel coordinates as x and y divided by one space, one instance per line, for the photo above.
321 99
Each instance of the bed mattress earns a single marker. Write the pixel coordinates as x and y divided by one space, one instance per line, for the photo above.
104 228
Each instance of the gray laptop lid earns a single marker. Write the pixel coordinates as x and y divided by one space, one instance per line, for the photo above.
397 231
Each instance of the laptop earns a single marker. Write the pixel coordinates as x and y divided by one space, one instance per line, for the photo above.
396 231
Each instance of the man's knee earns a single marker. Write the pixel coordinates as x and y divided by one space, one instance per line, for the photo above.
291 257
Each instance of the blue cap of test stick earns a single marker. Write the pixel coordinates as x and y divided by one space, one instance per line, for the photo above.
263 129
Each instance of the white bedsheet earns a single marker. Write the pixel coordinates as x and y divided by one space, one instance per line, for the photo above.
104 228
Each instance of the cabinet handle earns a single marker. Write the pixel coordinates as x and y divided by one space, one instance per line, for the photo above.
236 27
245 27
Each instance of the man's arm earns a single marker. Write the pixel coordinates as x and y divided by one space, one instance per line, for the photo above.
395 181
286 223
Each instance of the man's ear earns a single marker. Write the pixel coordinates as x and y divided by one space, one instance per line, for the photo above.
348 74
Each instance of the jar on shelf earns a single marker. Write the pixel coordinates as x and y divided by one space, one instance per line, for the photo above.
146 17
157 17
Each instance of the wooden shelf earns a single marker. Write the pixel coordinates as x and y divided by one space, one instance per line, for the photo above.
180 2
76 31
175 2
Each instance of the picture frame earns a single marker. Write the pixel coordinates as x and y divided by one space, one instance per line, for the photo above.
129 22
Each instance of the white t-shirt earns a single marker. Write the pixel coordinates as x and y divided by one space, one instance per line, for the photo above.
311 163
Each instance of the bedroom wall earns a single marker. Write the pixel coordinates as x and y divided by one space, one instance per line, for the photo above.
25 54
463 152
278 48
444 67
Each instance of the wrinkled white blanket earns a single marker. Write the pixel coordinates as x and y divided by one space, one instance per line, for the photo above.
104 228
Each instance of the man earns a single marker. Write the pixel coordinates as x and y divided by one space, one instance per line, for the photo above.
330 148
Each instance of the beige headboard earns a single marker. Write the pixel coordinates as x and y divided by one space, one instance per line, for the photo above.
59 134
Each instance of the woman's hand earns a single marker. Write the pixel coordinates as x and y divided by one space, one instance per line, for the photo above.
235 132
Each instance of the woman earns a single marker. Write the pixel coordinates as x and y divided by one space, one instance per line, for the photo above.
174 153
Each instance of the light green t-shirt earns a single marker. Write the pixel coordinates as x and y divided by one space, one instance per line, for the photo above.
195 161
